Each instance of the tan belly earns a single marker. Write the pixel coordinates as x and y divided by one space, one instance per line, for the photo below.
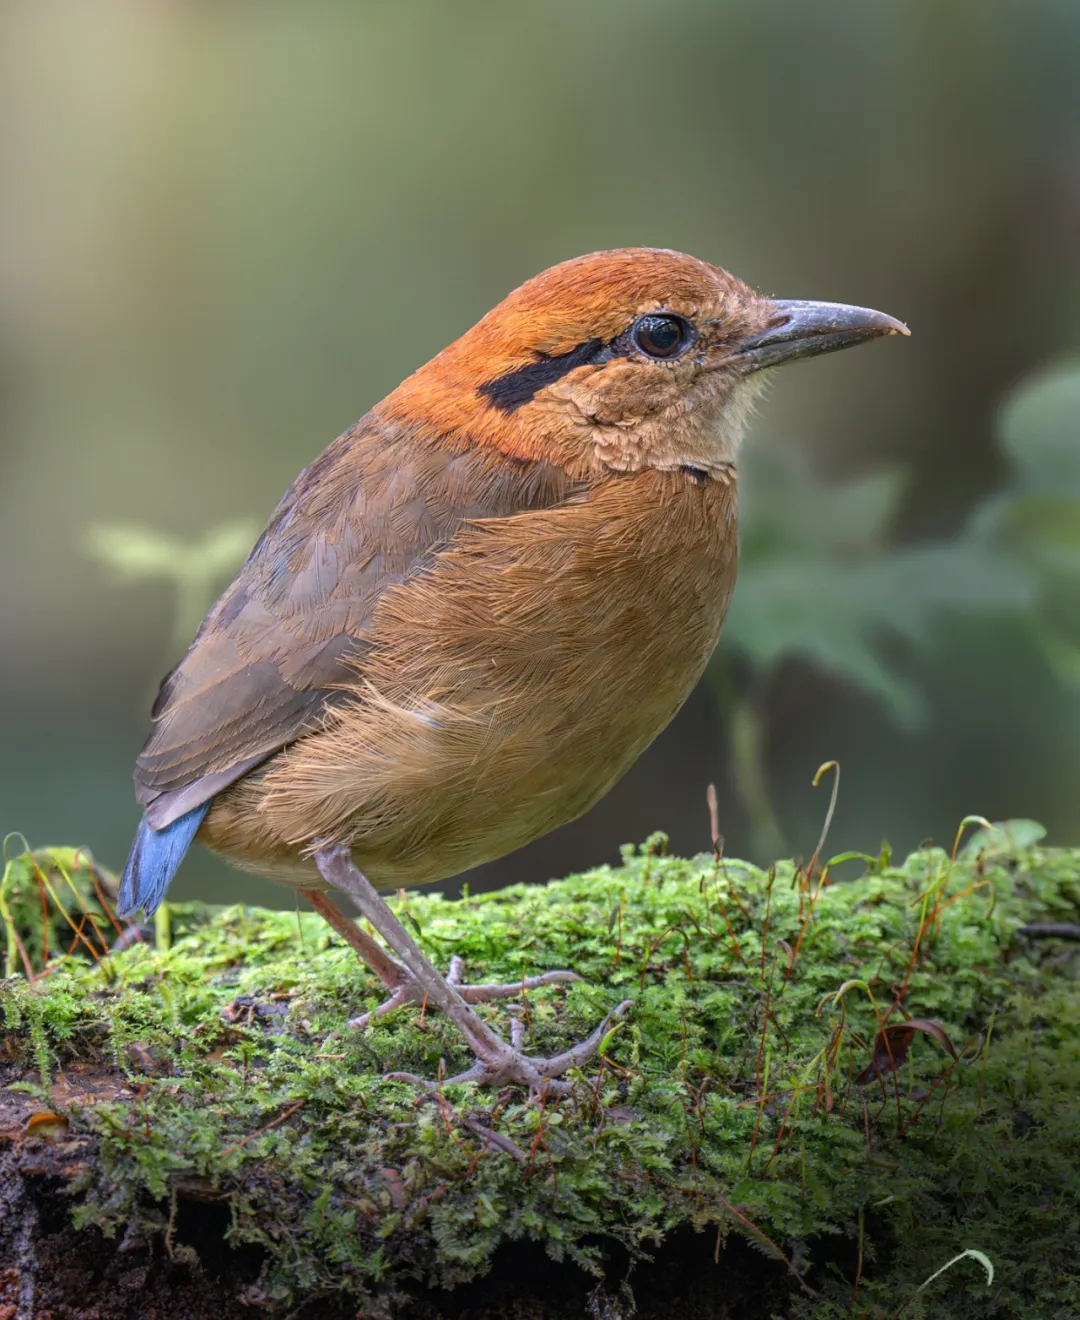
514 684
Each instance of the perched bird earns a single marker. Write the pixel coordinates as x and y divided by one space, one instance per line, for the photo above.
471 614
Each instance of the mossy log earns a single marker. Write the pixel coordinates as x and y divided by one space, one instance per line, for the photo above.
830 1085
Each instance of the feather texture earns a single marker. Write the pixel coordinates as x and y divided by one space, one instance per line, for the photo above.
153 861
509 686
284 642
469 616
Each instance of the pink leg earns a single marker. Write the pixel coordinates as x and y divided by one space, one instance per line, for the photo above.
496 1061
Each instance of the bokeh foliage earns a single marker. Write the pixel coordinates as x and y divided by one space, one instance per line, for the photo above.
229 229
822 579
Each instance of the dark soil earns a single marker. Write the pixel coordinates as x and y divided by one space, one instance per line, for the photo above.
51 1271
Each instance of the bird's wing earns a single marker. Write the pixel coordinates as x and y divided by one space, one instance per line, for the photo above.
289 634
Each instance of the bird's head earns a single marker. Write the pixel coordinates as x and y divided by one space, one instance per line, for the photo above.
623 360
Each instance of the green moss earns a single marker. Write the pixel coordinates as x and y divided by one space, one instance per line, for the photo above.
728 1100
54 901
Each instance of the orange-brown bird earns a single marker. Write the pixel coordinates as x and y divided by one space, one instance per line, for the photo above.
472 613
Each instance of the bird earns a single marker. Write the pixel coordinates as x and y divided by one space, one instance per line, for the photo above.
467 617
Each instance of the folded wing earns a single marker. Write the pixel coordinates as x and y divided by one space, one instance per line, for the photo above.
288 637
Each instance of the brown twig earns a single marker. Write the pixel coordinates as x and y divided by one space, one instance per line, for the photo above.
229 1150
714 821
764 1237
1051 930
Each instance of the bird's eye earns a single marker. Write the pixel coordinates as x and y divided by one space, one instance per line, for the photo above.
660 335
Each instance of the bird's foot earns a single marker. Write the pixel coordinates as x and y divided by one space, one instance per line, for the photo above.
498 1063
410 991
415 980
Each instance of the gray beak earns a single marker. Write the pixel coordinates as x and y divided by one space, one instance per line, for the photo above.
805 329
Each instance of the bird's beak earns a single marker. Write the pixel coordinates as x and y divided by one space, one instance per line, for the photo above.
805 329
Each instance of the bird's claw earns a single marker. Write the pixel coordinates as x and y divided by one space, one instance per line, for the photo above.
410 991
508 1064
414 980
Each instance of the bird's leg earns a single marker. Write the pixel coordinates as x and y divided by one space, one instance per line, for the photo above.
397 978
496 1061
389 971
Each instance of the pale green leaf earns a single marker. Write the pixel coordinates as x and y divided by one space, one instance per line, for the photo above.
826 589
1040 432
1004 836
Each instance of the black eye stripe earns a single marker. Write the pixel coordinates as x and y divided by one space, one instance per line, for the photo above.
512 391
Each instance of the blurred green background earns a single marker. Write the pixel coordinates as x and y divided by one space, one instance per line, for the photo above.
227 229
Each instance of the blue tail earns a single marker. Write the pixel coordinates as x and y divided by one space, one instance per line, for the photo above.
153 860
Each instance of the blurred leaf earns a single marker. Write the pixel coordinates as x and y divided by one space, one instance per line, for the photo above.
1038 514
137 553
1036 518
1039 433
822 612
134 553
1044 530
1004 836
826 588
781 505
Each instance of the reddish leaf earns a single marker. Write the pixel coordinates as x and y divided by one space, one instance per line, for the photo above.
392 1180
891 1046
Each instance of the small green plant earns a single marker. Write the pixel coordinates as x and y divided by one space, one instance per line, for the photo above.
819 581
1036 518
54 902
194 570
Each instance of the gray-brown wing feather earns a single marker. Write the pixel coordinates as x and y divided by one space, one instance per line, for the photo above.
289 634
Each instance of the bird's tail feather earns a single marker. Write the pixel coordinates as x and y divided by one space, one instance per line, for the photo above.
153 860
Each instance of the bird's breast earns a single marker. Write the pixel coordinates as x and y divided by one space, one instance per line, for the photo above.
515 679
